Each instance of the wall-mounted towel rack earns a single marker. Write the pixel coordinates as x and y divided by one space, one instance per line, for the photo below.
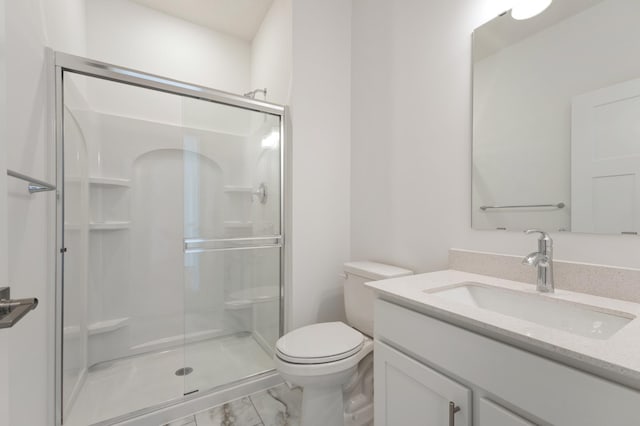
33 185
523 206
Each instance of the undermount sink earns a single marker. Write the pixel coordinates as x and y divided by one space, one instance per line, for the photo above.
583 320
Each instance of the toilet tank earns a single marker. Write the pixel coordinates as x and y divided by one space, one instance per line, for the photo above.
359 299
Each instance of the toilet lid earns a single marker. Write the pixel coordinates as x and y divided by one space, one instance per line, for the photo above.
319 343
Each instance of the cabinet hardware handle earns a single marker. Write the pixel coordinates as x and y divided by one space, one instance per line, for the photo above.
453 409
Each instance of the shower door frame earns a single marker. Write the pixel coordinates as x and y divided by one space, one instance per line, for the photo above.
91 68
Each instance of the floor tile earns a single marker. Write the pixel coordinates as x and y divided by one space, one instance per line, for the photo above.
279 406
235 413
187 421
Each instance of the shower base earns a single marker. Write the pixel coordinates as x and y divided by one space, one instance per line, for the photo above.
116 388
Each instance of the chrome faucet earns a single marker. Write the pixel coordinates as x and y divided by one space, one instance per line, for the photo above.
543 260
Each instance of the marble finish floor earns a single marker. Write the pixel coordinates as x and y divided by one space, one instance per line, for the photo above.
123 386
278 406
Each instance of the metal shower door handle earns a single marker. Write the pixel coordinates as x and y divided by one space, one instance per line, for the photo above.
12 311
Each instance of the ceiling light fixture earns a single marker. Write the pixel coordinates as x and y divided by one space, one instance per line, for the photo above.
525 9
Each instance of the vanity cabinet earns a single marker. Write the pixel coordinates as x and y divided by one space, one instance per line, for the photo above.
422 363
410 393
491 414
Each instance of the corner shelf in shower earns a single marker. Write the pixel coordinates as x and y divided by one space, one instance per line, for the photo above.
107 326
109 225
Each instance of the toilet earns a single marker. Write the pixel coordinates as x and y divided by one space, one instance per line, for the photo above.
332 361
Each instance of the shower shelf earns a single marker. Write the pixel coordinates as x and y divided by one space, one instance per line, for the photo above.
102 181
109 225
237 224
250 296
99 226
105 181
238 189
236 305
107 326
72 331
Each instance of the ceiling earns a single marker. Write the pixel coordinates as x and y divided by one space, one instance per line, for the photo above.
239 18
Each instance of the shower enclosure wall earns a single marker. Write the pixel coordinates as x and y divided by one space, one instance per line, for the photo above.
171 238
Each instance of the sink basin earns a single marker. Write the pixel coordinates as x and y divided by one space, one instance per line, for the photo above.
583 320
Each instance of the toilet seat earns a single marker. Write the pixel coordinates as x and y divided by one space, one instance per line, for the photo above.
317 371
319 343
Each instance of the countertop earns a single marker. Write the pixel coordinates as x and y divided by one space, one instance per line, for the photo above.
616 358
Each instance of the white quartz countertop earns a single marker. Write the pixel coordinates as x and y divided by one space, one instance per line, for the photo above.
616 358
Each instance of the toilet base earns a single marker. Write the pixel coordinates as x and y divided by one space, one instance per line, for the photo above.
322 406
361 417
336 393
358 395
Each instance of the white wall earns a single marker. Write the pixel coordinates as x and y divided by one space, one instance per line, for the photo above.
320 111
128 34
65 28
409 141
30 218
411 146
271 54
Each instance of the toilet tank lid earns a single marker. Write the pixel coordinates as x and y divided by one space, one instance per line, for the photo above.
375 270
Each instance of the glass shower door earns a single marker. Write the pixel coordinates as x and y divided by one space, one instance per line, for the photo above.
232 229
172 219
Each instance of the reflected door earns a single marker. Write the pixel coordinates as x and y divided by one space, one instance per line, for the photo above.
605 160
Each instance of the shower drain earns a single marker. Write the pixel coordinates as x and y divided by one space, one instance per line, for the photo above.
184 371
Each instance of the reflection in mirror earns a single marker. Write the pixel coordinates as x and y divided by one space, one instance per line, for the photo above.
556 107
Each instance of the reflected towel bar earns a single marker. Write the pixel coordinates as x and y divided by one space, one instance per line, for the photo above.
34 185
559 206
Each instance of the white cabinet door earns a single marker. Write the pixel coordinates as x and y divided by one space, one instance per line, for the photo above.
4 338
492 414
4 334
408 393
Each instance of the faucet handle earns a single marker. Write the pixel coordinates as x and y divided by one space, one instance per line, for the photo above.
543 235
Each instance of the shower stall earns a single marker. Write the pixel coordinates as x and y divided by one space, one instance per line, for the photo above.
171 237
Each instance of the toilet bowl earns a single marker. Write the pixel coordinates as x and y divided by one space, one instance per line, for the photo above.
333 361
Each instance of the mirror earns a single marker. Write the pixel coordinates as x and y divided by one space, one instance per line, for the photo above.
556 119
